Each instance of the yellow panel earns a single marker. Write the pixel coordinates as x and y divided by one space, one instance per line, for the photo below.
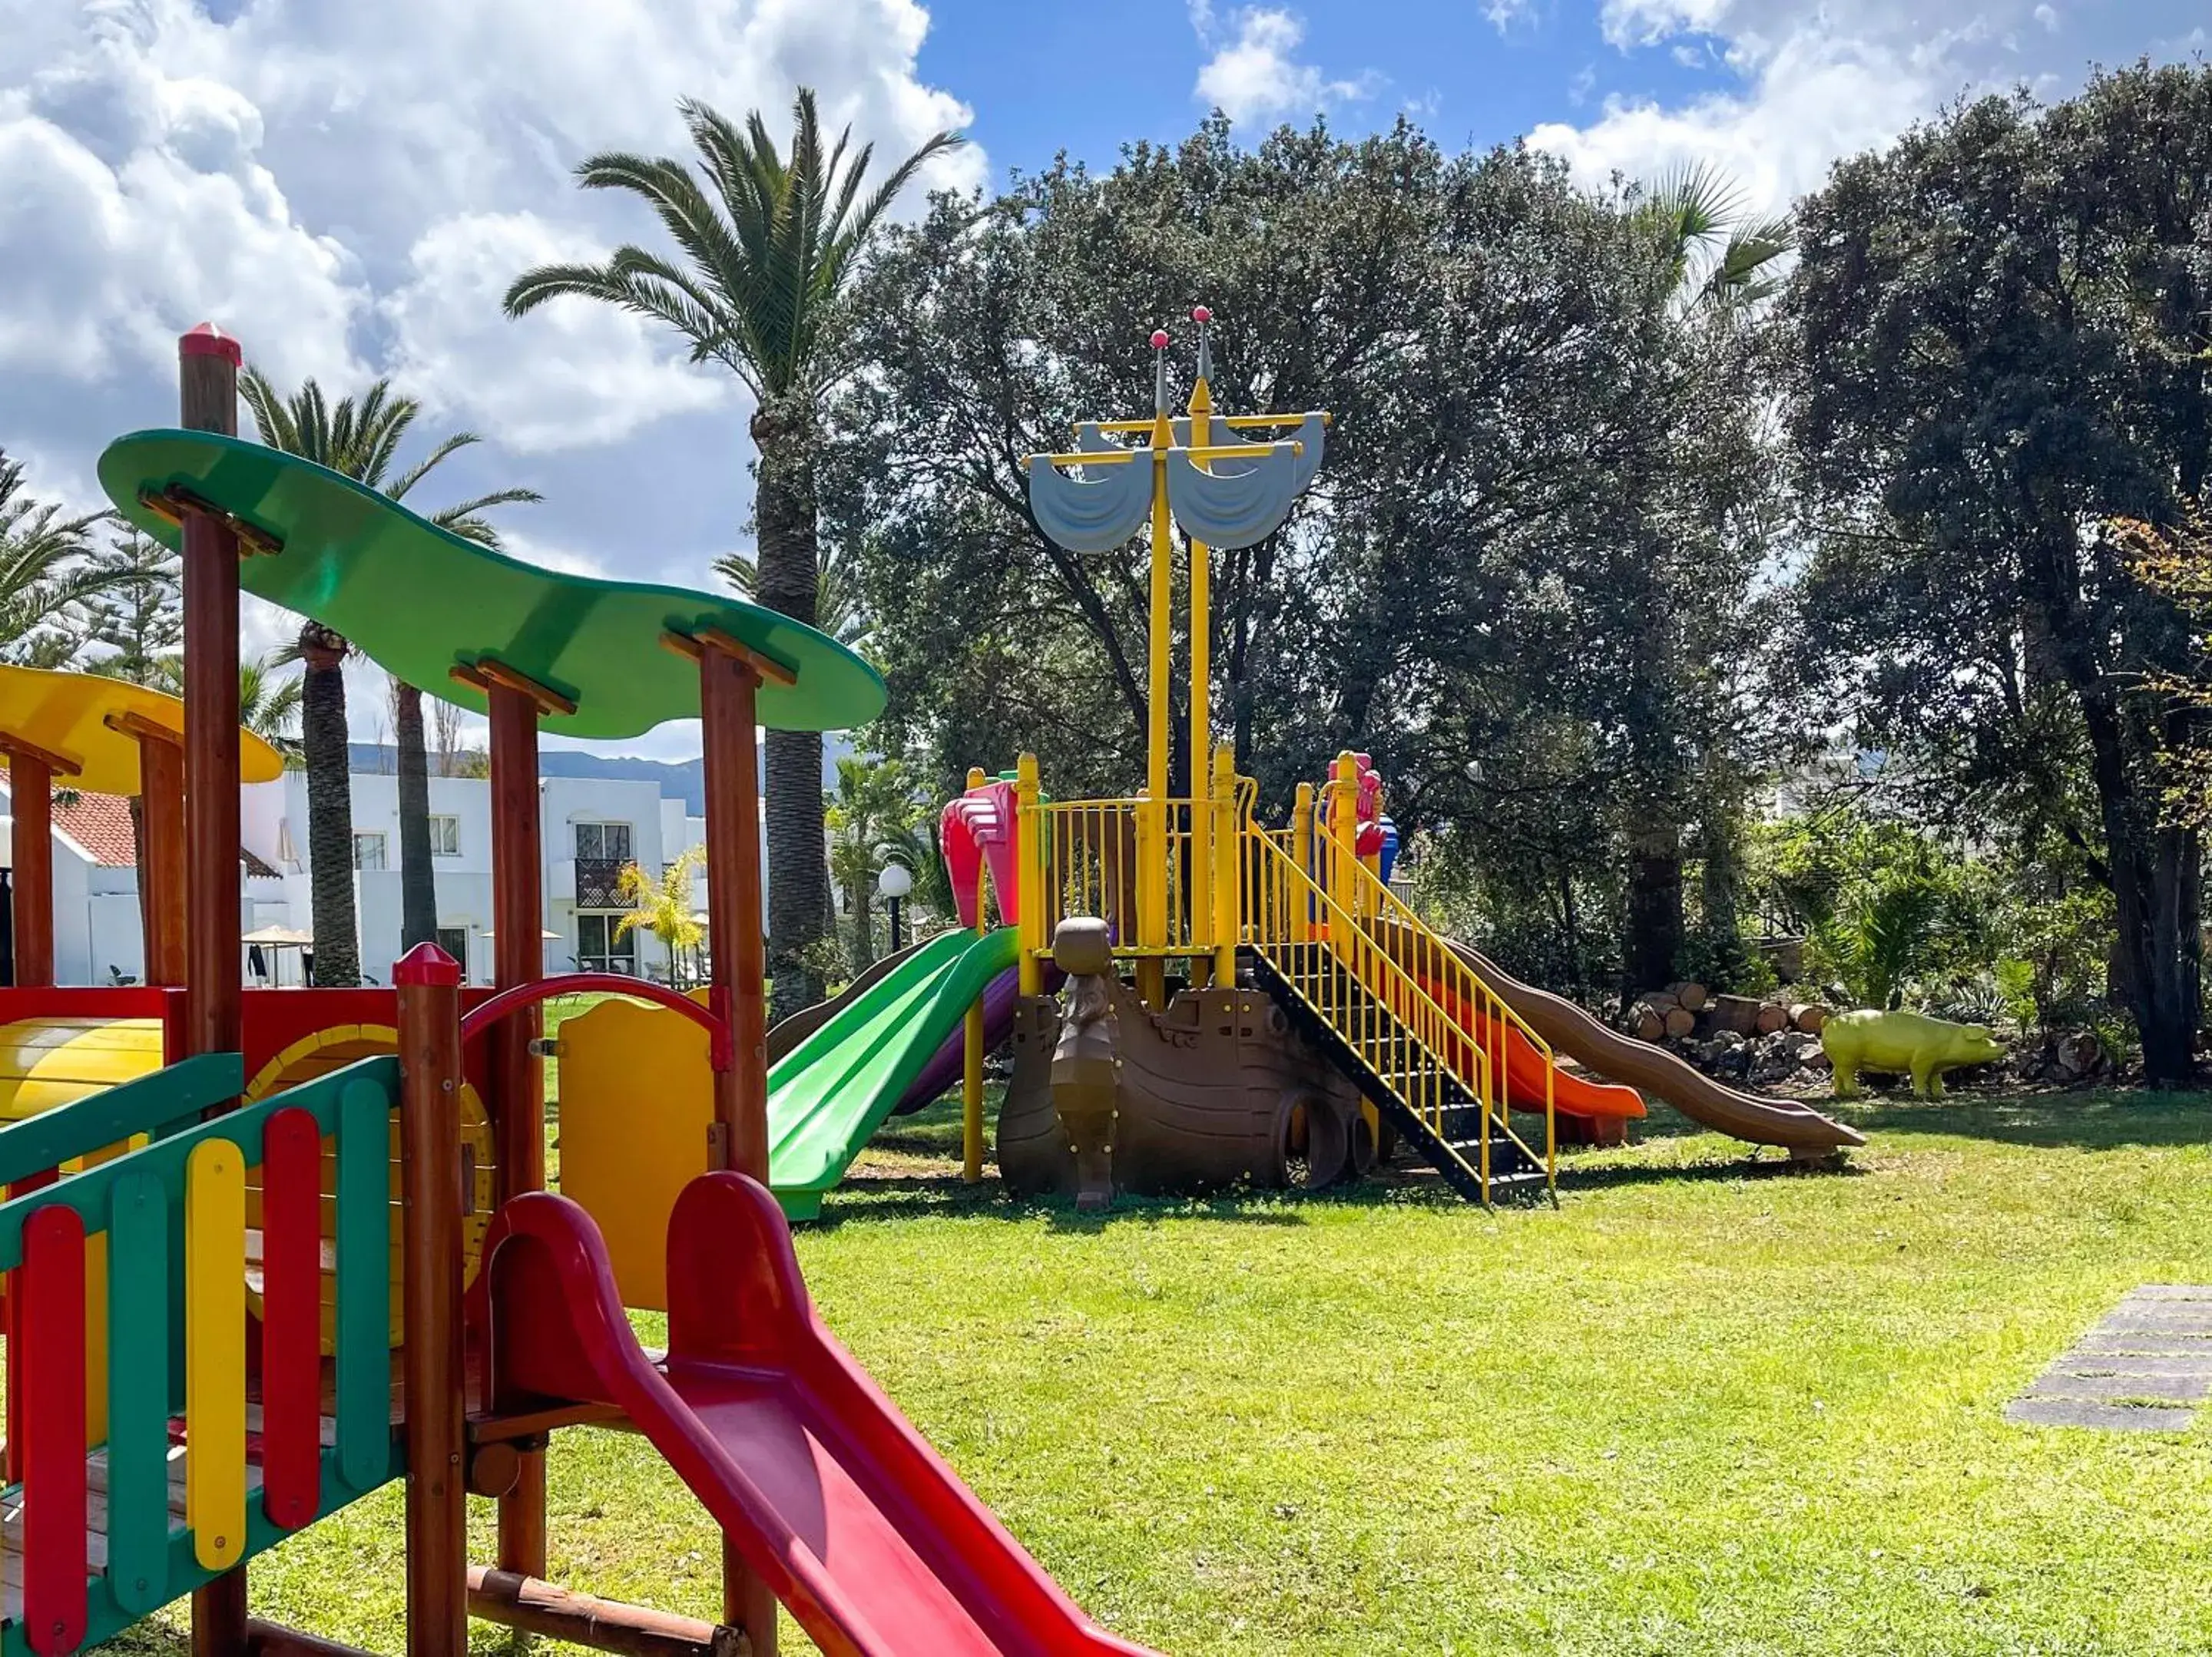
215 1353
46 1062
636 1098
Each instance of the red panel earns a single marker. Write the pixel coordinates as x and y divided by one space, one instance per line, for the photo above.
11 1310
275 1019
291 1295
51 1291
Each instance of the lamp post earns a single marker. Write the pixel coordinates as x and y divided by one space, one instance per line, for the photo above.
895 882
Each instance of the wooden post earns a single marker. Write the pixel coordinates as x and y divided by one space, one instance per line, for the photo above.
517 904
429 983
31 792
161 877
728 685
208 363
729 682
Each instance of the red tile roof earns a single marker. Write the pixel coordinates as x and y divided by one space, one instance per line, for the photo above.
101 824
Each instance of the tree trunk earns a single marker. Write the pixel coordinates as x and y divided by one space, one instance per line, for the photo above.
864 927
419 884
330 808
788 580
1653 950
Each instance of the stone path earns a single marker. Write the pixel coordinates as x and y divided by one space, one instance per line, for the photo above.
2142 1369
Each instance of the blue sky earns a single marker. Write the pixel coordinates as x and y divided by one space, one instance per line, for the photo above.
350 188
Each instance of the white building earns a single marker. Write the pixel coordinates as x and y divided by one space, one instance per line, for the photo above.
590 827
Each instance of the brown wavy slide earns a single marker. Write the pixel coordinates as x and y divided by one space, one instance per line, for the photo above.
1619 1058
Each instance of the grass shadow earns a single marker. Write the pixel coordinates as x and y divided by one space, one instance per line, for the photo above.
2099 1119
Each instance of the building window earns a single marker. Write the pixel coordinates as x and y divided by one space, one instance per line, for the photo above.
598 949
368 848
445 837
454 941
607 841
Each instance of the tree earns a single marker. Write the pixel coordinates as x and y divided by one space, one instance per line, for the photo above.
663 907
2001 326
361 440
872 807
839 610
141 620
48 575
767 244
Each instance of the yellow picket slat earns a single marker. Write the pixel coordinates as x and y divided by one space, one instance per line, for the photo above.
215 1353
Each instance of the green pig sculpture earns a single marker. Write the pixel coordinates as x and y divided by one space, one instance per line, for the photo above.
1904 1043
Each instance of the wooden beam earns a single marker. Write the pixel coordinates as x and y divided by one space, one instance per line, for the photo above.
31 792
539 1607
488 674
769 669
492 1429
130 723
61 764
274 1640
176 503
162 866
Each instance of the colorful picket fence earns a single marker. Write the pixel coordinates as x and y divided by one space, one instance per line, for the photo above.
207 1457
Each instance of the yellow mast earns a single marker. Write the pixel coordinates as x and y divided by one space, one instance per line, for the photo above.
1202 667
1152 815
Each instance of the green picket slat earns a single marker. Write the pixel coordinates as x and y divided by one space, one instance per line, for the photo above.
364 1284
138 1321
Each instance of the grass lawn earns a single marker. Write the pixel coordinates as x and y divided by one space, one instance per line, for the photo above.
1707 1405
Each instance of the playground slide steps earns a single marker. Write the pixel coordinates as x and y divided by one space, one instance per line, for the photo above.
1384 1065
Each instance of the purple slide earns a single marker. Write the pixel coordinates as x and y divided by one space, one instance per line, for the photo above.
943 1072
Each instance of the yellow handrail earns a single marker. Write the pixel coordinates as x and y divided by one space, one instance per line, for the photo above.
1354 981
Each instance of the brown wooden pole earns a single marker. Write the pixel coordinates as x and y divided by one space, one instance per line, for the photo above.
31 793
161 878
726 709
584 1619
207 362
727 695
517 904
429 982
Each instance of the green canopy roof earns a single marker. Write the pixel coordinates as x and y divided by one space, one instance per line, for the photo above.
420 602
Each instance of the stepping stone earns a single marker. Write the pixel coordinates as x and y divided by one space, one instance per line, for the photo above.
2177 1317
2149 1342
2169 1291
2078 1412
2130 1364
2168 1389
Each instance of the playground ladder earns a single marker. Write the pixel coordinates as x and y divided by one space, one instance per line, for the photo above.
1398 1010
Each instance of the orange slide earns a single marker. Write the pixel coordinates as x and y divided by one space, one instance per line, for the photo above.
1571 1094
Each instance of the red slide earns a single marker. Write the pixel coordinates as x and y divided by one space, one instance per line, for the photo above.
842 1508
1571 1094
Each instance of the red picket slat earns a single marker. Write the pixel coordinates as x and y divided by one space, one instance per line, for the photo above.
291 1318
50 1293
11 1464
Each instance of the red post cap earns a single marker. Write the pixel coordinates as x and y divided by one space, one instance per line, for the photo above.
208 340
425 963
1159 339
1201 315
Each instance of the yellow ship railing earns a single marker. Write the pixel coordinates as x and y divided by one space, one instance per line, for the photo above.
1350 973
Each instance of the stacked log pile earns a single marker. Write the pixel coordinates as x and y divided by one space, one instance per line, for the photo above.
1746 1037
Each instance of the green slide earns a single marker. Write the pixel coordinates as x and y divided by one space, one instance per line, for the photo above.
828 1094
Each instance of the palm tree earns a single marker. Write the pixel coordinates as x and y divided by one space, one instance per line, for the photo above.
48 576
767 243
663 907
838 609
269 706
874 806
1715 256
361 440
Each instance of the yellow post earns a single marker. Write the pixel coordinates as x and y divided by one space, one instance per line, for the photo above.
971 1048
1228 887
1028 877
1302 853
1344 830
1201 726
1151 817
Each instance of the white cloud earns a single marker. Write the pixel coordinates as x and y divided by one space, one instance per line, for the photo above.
1503 14
1255 74
1810 82
573 373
